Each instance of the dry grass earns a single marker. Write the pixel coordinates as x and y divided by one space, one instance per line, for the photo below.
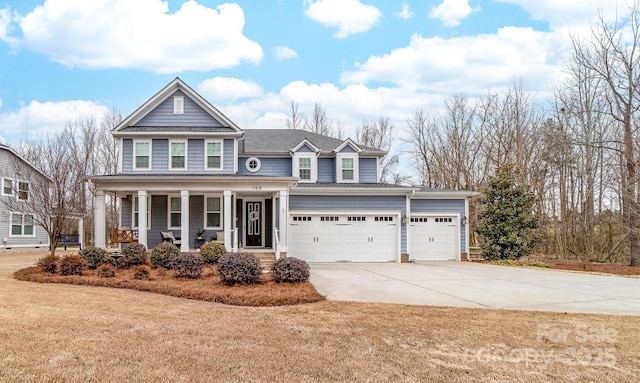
56 332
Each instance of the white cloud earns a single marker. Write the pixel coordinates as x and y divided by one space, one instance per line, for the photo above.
451 12
38 119
5 21
468 64
349 16
283 53
568 13
225 88
139 34
405 13
0 103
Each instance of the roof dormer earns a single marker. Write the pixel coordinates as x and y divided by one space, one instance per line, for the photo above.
304 162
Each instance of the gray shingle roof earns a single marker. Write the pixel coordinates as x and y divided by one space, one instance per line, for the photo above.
282 140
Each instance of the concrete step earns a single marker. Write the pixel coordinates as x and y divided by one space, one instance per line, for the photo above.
266 259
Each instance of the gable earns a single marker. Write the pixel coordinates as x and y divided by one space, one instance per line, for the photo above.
194 115
305 149
347 149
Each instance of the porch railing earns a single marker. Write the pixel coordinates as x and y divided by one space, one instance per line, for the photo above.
276 241
125 235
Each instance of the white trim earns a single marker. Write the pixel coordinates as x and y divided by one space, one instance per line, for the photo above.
120 155
18 190
186 154
250 159
178 104
136 141
12 194
206 162
235 155
220 196
134 205
169 196
295 164
356 167
302 143
349 142
33 224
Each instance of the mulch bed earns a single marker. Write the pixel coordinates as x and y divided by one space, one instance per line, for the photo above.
207 288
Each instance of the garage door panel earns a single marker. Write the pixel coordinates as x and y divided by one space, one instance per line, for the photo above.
433 238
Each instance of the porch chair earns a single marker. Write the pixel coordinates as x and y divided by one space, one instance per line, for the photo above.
219 238
167 236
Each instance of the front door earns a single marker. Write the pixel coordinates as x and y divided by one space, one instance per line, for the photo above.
253 219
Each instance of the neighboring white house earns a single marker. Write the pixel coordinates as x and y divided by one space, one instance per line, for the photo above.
17 226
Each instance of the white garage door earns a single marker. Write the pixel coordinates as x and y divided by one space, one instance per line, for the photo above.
344 238
433 238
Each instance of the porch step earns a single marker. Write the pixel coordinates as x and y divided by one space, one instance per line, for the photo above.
266 259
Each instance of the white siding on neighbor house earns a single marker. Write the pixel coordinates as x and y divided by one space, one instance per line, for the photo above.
193 116
451 206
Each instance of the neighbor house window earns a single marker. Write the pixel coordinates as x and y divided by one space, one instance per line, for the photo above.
214 155
175 213
213 212
178 105
21 225
142 155
7 186
178 155
304 168
136 210
23 190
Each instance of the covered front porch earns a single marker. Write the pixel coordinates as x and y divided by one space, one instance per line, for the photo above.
242 212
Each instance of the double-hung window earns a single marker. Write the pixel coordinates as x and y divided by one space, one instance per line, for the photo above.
23 190
347 169
7 186
142 155
175 212
304 168
214 155
178 155
213 212
21 225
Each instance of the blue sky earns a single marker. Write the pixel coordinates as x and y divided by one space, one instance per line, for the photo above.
61 60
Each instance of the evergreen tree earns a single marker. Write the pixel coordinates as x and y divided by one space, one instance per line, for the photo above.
507 222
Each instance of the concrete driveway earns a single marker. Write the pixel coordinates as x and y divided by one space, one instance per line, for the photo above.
466 284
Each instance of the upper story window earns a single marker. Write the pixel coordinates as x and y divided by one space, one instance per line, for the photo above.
21 225
142 155
253 164
23 190
213 156
178 105
305 166
7 186
178 160
347 167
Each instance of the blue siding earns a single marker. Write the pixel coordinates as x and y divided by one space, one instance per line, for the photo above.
127 155
454 206
326 170
196 155
368 170
280 167
348 149
126 212
193 116
305 149
228 155
159 155
351 203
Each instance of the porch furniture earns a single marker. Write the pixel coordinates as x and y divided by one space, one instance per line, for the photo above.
124 236
218 238
197 242
65 240
167 236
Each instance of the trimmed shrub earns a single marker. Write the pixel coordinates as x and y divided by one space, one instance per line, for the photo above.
141 272
49 264
72 265
212 251
95 256
239 268
291 270
132 255
187 265
163 254
106 270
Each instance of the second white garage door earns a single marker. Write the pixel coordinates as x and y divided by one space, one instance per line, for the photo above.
346 238
433 238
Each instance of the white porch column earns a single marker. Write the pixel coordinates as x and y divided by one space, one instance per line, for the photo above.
99 225
284 221
184 221
81 231
142 217
227 213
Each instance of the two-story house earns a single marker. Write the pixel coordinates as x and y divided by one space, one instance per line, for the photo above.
185 167
17 224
